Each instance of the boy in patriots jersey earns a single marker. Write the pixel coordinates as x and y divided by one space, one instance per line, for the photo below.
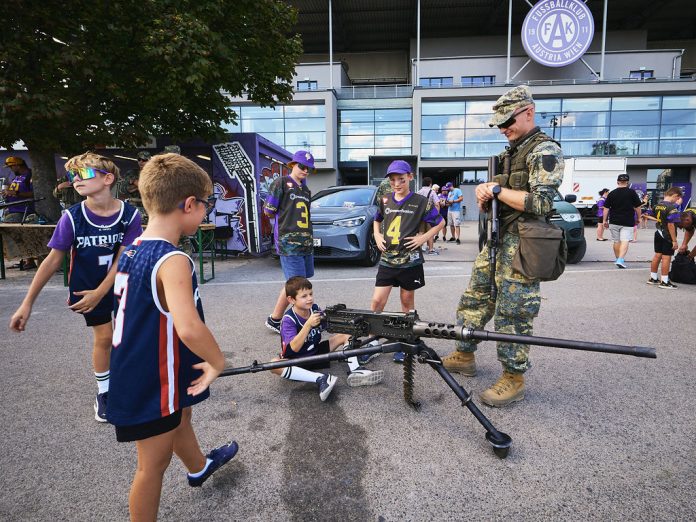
300 335
163 357
94 232
289 201
401 214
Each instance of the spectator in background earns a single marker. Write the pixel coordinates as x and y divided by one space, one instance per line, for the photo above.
645 211
20 187
454 211
600 213
127 188
66 194
443 210
620 209
429 193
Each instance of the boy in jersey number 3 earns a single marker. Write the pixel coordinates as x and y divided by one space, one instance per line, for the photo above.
288 202
401 264
163 357
94 232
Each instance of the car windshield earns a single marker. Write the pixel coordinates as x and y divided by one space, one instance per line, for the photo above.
348 198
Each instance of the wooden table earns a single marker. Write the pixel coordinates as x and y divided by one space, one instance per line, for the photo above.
205 237
24 241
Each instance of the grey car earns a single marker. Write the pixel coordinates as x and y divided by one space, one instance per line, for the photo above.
342 220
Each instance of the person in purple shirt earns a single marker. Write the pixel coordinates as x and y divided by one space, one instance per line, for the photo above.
95 232
600 213
21 187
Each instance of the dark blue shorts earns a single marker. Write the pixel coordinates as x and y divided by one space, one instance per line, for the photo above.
297 266
148 429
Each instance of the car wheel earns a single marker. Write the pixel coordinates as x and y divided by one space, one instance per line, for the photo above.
576 253
372 254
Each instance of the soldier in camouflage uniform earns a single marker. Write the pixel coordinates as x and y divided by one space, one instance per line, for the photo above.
66 194
288 202
527 188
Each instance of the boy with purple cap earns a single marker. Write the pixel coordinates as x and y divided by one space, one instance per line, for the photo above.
288 202
401 264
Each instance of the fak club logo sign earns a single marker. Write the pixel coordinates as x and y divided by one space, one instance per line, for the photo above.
557 32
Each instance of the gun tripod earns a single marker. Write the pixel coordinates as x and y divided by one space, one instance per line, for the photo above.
417 351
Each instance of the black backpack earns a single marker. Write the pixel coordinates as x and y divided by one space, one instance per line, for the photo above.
683 270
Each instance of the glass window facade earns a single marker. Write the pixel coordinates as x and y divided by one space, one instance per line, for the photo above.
373 132
622 126
293 127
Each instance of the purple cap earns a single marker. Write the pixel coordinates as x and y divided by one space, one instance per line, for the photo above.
399 167
448 185
304 157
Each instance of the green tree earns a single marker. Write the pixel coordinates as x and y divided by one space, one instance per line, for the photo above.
80 74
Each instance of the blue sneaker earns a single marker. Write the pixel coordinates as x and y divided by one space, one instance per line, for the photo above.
366 358
100 407
219 457
620 263
273 325
399 357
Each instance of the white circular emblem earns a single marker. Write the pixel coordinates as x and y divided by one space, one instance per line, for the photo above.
556 33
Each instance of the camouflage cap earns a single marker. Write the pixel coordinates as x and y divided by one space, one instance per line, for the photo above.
508 103
172 149
143 155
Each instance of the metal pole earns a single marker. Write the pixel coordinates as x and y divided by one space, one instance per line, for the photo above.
604 40
418 24
331 82
509 45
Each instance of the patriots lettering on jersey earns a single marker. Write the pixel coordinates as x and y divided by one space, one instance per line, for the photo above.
100 240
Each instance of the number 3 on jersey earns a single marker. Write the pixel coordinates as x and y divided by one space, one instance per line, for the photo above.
120 291
304 214
394 231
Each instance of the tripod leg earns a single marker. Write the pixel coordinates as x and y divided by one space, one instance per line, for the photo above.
500 441
409 370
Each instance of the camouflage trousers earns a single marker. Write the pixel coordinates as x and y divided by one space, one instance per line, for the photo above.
513 311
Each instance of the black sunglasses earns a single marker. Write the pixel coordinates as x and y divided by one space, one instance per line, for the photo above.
209 203
305 168
513 119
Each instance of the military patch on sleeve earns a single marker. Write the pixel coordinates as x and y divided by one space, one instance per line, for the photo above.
549 162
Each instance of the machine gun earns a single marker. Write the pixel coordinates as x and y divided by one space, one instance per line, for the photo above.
404 332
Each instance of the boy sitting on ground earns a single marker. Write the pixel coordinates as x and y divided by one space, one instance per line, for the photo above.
300 334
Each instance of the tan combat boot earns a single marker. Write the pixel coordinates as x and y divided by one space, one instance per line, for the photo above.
460 362
508 389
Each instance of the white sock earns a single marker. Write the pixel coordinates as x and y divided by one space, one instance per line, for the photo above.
353 364
665 278
208 462
295 373
653 275
102 381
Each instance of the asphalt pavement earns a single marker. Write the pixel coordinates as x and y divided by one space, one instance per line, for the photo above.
598 436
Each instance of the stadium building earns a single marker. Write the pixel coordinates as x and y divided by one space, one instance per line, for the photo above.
416 78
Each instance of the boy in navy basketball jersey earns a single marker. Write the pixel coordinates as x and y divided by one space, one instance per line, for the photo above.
163 357
401 265
289 201
668 219
300 335
94 231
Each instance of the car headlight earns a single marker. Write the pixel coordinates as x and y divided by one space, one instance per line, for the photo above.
350 222
571 217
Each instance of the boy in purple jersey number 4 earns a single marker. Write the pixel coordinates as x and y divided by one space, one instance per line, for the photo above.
401 264
164 358
300 334
289 202
95 232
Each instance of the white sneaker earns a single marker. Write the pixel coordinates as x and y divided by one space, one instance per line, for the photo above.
361 376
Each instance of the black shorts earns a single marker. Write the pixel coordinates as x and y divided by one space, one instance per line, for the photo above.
410 278
323 348
663 246
148 429
96 319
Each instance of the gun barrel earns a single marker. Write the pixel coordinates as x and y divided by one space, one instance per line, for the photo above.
461 333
